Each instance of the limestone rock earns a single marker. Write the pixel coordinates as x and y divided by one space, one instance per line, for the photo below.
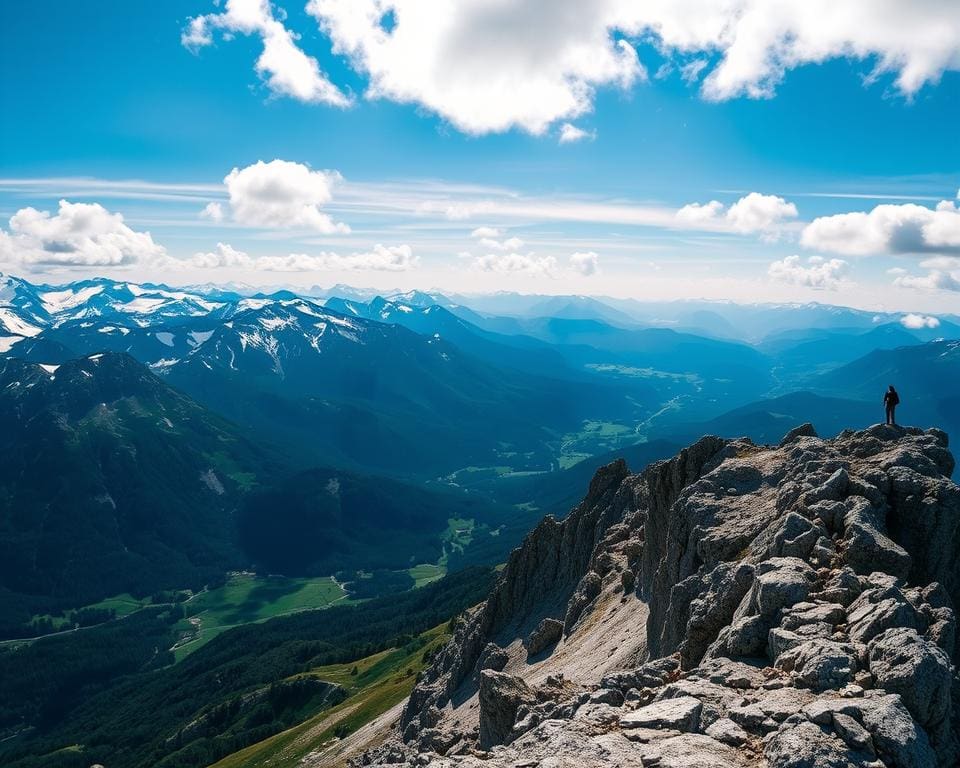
681 714
902 662
547 633
501 696
799 606
820 664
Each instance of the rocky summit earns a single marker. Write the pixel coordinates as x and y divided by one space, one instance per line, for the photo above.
739 605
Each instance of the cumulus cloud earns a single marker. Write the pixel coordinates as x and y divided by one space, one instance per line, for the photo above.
585 263
934 280
570 133
79 234
284 67
516 263
282 194
510 244
887 229
489 232
224 255
580 264
752 213
381 258
485 66
915 322
530 63
817 272
212 211
396 258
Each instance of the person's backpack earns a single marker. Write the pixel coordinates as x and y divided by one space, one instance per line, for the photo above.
894 398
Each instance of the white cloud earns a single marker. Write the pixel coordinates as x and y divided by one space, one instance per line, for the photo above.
394 258
915 322
510 244
752 213
585 263
517 263
285 68
487 232
455 211
887 229
212 211
488 66
79 234
381 258
223 255
284 195
570 133
934 280
948 263
818 273
485 67
696 214
760 213
690 72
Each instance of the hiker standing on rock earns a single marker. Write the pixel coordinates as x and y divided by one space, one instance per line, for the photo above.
890 401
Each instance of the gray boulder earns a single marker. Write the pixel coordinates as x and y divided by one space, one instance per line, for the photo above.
548 632
902 662
501 696
680 714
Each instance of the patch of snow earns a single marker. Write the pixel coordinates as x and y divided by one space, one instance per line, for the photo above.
95 357
164 363
49 368
55 302
268 344
273 323
404 308
305 308
253 303
15 324
343 322
113 329
142 305
7 342
198 337
165 337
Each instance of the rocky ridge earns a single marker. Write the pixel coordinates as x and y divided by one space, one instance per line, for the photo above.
738 605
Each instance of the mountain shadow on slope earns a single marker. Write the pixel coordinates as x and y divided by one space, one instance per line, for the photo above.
321 521
111 482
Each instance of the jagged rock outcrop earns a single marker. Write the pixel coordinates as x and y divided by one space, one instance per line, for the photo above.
738 605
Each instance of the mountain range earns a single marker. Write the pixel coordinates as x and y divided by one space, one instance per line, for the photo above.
156 441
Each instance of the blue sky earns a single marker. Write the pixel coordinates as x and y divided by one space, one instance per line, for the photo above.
429 151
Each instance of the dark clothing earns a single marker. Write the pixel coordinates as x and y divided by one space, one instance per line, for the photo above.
890 401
